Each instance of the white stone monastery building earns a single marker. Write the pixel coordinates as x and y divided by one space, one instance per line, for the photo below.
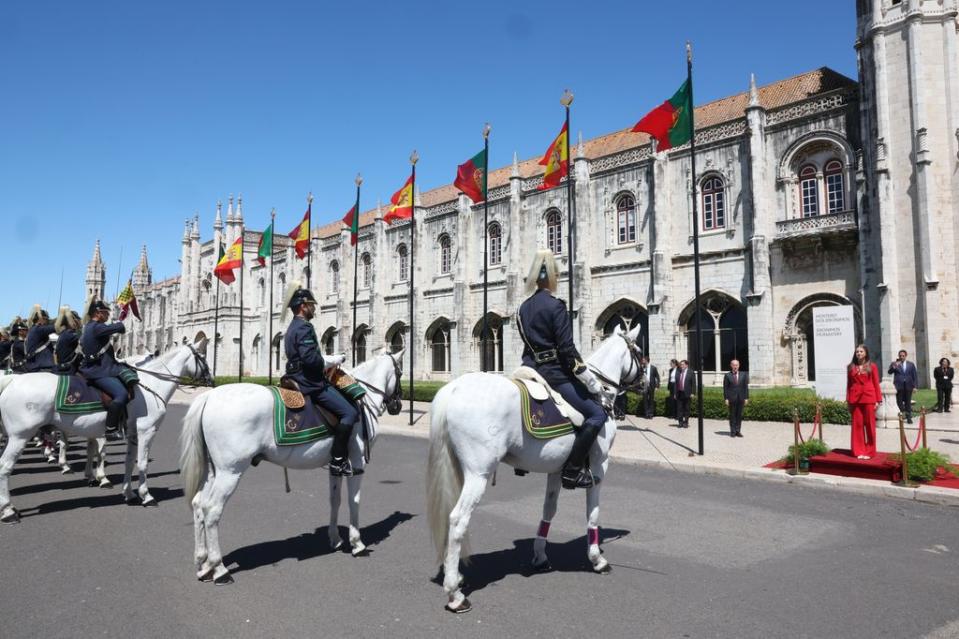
813 190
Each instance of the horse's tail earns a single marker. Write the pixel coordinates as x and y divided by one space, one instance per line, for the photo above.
193 458
444 476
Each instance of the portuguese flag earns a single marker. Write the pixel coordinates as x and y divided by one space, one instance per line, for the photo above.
669 123
301 234
265 249
556 160
352 220
229 260
471 177
401 204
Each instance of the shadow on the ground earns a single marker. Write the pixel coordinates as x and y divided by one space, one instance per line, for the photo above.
489 568
77 480
112 497
308 545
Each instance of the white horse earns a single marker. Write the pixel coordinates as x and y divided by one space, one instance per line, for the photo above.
27 404
476 424
226 428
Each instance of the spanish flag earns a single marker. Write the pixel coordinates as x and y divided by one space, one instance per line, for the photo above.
229 260
127 302
556 160
401 204
301 234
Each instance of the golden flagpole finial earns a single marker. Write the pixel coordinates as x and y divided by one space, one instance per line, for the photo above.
567 98
414 157
358 180
486 129
689 52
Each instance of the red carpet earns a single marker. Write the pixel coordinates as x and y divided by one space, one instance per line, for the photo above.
841 462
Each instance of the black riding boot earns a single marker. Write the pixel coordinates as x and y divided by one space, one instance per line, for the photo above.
114 417
340 465
575 473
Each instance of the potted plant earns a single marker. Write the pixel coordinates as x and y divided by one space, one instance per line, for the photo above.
805 450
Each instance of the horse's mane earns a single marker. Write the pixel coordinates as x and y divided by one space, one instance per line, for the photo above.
160 363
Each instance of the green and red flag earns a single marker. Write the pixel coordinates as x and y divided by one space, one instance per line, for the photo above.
352 220
401 204
301 234
669 123
556 160
265 248
229 260
127 302
471 177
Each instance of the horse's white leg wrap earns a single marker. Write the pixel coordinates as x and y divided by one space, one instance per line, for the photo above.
593 552
128 461
336 490
62 458
15 446
199 533
540 560
143 458
353 487
223 486
101 475
473 488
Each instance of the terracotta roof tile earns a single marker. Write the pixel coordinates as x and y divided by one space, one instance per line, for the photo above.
771 97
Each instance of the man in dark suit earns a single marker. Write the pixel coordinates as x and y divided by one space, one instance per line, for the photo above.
651 374
736 394
671 387
683 392
905 378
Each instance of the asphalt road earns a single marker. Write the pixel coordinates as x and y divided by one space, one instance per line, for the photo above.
693 556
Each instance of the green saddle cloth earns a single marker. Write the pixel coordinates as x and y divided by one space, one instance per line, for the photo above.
297 426
76 397
542 419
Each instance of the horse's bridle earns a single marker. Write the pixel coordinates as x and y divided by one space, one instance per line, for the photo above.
630 381
204 379
393 401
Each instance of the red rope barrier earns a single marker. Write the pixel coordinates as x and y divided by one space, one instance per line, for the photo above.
811 435
922 427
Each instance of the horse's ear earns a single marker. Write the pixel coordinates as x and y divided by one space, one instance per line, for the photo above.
398 355
634 334
200 345
618 330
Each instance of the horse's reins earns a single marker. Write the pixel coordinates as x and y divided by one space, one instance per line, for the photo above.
203 380
625 384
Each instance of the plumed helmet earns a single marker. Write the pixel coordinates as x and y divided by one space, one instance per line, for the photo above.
67 318
295 296
17 325
542 270
36 314
93 306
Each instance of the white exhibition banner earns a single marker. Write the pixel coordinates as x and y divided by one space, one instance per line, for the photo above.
834 340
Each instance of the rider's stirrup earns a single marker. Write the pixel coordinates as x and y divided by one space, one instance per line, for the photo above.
582 478
341 467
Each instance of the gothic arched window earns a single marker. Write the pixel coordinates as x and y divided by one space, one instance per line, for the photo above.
714 203
403 255
439 341
554 231
809 191
446 254
495 238
835 186
334 277
367 269
626 219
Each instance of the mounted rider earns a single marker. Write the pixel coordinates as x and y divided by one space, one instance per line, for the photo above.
38 347
100 366
305 366
67 351
18 353
547 332
6 345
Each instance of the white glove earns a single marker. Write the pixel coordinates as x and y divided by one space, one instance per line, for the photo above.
590 381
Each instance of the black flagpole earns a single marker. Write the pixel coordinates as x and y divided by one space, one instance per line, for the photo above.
356 258
566 101
483 336
269 344
309 240
699 308
412 334
240 376
216 318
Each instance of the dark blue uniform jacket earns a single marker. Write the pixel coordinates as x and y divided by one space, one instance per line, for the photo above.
39 350
546 328
95 336
5 347
304 361
66 351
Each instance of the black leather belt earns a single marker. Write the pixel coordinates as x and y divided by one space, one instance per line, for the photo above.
543 357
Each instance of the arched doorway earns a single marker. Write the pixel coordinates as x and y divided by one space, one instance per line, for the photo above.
438 338
490 344
359 343
801 337
277 344
724 332
328 341
627 314
396 337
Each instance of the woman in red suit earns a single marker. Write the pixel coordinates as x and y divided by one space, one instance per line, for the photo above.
863 396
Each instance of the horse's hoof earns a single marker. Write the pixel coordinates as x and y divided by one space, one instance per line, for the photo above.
205 577
336 545
131 500
92 483
224 580
605 570
150 502
104 483
12 517
66 470
360 552
545 566
465 606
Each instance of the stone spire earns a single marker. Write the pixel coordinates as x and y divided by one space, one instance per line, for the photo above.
186 231
96 279
142 276
515 172
229 210
195 231
218 221
753 92
239 210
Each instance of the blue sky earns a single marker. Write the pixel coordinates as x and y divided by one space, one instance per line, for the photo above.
121 119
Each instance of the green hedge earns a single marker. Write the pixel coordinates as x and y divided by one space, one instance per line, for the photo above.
765 405
423 391
233 379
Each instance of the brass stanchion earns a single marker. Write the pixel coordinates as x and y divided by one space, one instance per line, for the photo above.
902 448
795 470
822 437
922 425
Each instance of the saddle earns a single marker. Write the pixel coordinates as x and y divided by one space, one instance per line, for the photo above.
76 397
541 391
